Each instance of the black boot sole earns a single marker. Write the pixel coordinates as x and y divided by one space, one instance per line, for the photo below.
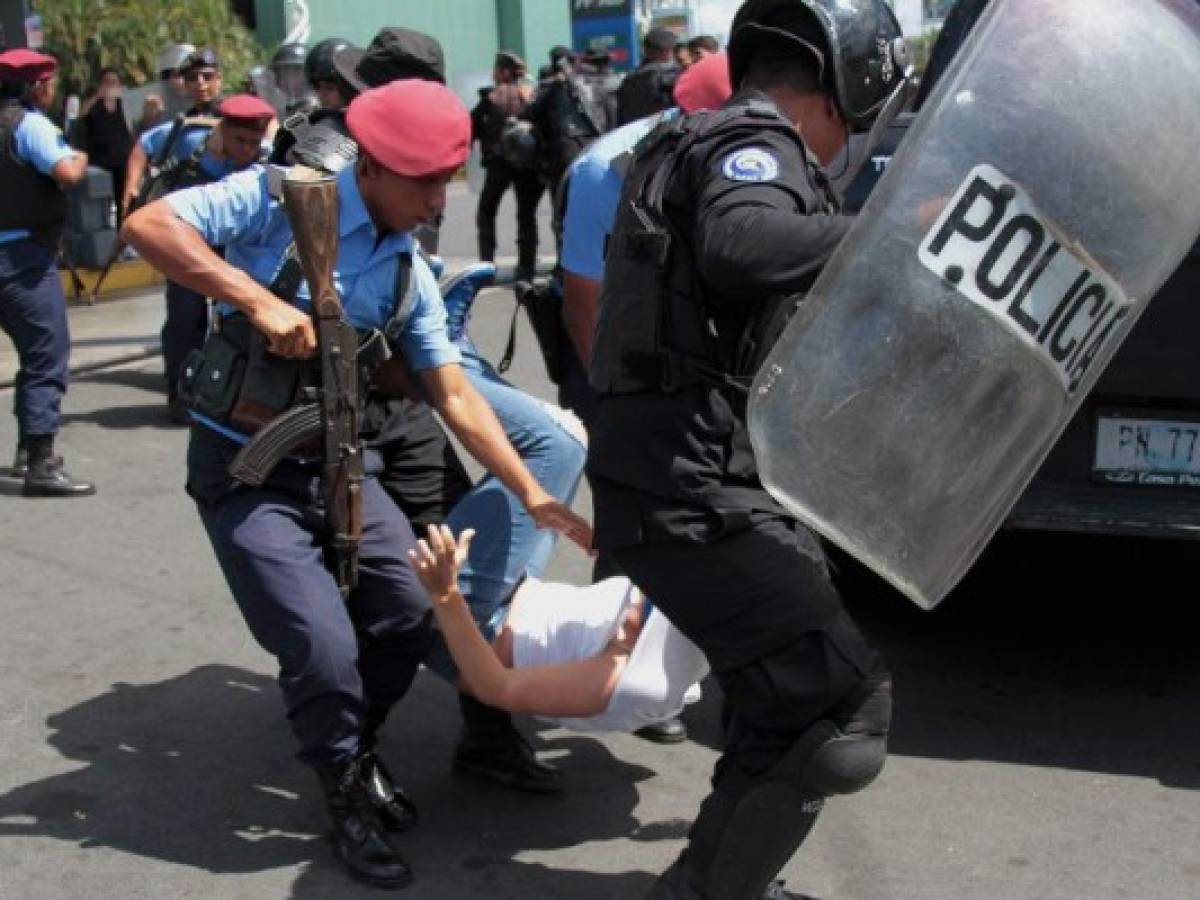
508 779
28 491
387 884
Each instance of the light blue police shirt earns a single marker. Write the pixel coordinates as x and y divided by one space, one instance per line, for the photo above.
153 139
594 193
40 143
240 214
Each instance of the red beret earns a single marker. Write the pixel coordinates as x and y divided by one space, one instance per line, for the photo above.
26 65
413 127
705 85
254 110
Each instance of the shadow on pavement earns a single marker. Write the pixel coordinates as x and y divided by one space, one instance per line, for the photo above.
123 418
194 770
143 378
198 770
1065 651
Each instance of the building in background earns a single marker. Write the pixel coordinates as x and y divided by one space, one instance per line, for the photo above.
470 31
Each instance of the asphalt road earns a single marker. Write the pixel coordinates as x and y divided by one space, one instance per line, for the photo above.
1046 742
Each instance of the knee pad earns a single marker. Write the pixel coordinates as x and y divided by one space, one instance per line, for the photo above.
845 752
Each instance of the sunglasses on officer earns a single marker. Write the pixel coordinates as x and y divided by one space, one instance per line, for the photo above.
194 75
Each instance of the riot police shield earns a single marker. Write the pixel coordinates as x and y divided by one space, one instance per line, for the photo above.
1048 187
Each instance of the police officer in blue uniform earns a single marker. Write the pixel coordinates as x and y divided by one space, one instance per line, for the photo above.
35 166
343 663
725 219
422 472
186 315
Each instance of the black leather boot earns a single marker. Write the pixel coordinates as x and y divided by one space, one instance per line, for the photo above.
492 748
46 476
359 835
20 461
396 810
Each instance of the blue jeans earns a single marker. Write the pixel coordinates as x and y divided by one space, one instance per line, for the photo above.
508 544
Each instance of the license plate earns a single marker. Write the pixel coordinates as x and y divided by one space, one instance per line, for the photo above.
993 246
1133 450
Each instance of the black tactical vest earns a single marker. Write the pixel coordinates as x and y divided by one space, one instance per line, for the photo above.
656 331
646 90
32 201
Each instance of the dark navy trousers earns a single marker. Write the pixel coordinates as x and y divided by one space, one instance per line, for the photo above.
342 664
183 330
33 313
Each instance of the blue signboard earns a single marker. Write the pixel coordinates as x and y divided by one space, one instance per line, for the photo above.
608 26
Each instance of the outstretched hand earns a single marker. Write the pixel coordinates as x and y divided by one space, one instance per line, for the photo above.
558 516
439 558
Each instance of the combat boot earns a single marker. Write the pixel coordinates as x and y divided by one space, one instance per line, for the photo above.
45 475
20 464
396 810
677 884
493 749
359 835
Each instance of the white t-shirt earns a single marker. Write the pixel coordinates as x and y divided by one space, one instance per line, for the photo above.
558 623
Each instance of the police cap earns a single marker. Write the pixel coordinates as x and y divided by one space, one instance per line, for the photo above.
412 127
393 53
204 58
26 65
247 110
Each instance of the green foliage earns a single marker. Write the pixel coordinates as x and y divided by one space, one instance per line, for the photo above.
128 34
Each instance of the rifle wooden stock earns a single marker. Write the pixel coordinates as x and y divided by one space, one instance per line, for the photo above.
311 202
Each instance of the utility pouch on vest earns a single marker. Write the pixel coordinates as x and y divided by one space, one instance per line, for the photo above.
270 385
211 377
235 379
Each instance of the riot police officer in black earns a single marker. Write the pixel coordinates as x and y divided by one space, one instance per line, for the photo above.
331 90
725 220
648 89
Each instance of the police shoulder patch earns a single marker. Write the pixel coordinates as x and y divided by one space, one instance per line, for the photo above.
751 164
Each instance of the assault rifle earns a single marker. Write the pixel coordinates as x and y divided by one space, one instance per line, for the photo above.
161 166
331 411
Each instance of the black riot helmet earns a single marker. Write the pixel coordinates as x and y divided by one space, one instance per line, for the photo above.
288 55
318 65
862 55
